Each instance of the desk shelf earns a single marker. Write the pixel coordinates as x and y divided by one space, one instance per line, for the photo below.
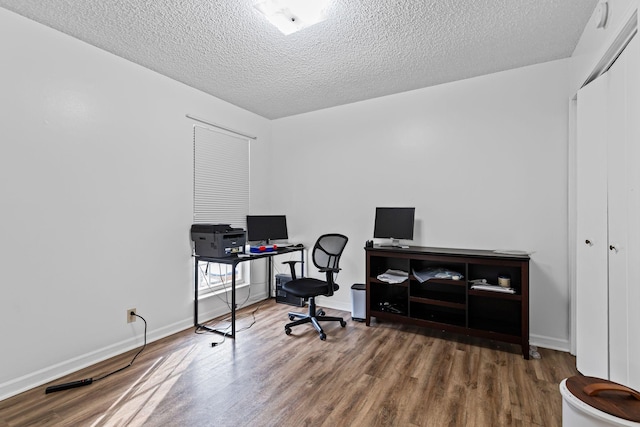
447 304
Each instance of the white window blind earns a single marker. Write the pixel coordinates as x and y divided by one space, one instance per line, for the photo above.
220 195
221 178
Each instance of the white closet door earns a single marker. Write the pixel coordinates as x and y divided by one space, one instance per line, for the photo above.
617 205
633 161
624 254
592 354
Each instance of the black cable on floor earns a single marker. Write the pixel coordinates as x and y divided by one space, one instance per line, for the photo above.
87 381
224 332
134 357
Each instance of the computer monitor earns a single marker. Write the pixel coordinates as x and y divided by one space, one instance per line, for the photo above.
266 228
394 224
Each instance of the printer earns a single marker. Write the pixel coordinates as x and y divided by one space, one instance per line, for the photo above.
217 240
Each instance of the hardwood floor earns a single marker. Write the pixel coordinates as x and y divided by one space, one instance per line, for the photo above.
383 375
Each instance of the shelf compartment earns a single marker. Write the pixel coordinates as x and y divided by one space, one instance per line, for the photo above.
491 273
439 302
445 290
439 314
503 316
455 268
380 264
496 327
382 293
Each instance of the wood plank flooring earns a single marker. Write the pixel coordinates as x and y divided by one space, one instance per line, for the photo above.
382 375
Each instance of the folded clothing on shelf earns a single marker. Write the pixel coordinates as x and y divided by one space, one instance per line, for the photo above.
393 276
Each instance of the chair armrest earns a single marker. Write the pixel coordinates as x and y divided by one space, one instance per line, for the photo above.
329 272
292 267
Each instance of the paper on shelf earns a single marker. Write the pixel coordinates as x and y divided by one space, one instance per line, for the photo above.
436 273
393 276
493 288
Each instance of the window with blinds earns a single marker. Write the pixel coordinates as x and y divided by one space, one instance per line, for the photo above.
221 194
221 178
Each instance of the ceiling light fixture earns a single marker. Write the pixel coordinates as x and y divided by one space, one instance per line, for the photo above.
290 16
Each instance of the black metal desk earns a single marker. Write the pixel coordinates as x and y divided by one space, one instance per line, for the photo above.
233 261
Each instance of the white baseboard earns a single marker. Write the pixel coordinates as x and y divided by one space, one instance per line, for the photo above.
550 343
334 304
51 373
536 340
43 376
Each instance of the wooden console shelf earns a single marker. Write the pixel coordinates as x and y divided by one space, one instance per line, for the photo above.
449 303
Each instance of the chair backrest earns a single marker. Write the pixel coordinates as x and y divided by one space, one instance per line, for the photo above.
328 249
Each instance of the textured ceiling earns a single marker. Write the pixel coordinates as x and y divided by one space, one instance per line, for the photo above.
365 48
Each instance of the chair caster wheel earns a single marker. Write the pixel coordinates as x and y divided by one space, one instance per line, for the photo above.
291 317
321 313
287 331
323 336
343 323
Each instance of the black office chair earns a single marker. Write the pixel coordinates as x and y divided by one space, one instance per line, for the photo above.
326 256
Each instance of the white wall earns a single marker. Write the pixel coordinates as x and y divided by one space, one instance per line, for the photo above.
96 191
482 160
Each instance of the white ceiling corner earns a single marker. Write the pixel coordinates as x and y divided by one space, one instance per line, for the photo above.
364 49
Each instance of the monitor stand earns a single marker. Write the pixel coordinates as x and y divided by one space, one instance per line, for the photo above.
395 243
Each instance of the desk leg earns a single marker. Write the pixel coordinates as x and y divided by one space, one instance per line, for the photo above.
195 302
269 277
195 299
233 300
195 295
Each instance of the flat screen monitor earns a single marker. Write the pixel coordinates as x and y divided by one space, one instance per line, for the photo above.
266 228
394 224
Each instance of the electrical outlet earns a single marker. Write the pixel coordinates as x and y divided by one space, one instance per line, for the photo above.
131 317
